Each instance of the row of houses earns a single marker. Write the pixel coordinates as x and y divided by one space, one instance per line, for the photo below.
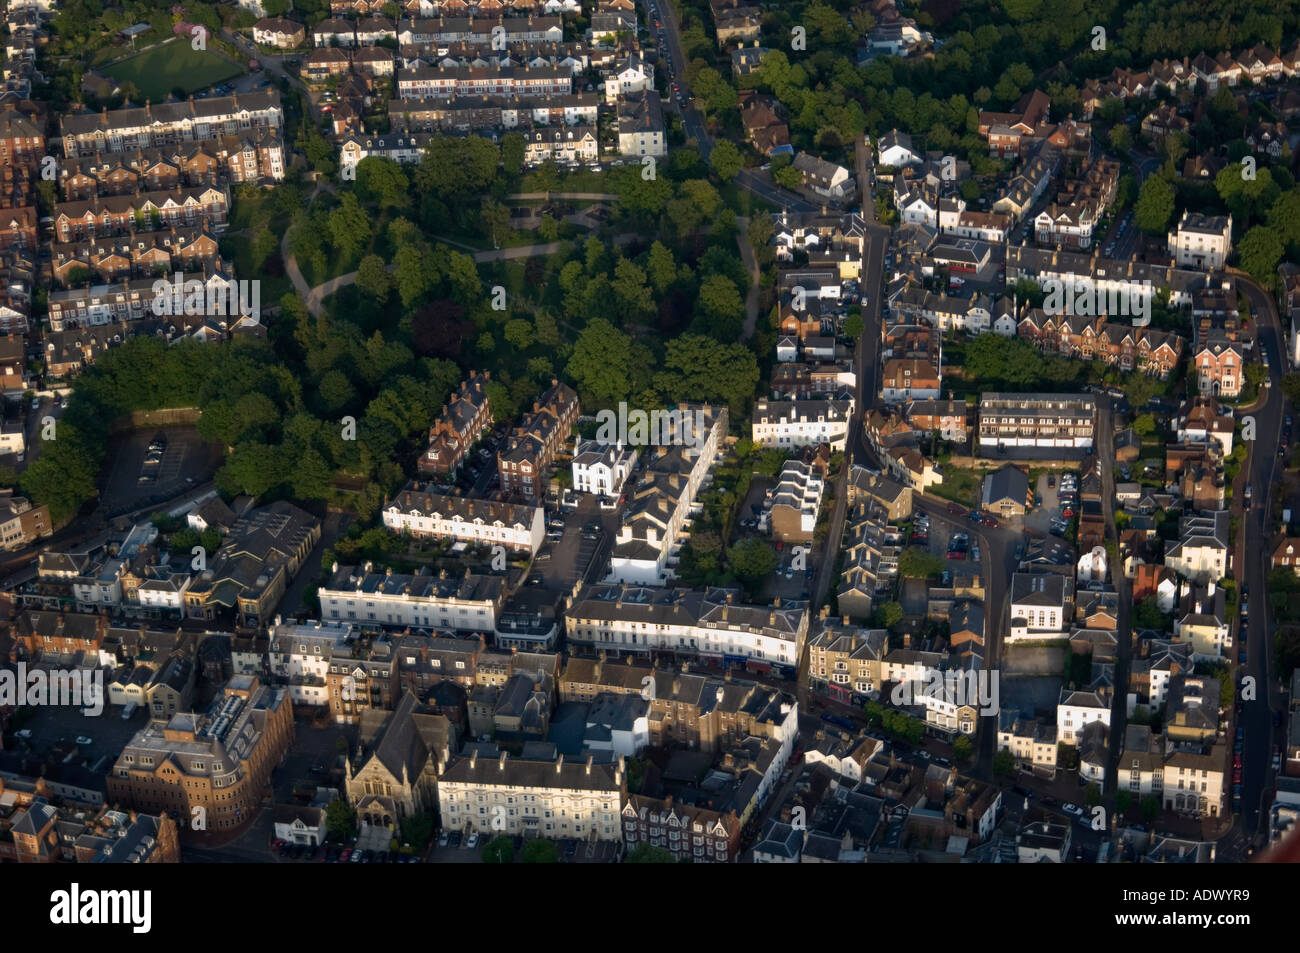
1204 72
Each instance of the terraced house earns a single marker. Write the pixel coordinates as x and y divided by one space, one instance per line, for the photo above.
1095 339
529 449
116 214
462 421
165 124
712 624
423 511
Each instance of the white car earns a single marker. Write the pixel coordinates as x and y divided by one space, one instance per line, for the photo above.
1072 809
25 734
84 740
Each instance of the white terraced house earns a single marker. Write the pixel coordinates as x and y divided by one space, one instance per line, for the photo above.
423 511
788 424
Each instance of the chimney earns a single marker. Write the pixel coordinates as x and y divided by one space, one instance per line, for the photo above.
589 759
473 758
501 762
559 763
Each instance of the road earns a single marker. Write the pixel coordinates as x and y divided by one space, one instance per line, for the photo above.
751 180
1252 570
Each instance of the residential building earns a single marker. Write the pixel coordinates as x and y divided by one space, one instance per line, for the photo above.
688 832
526 453
1038 423
1201 241
463 419
796 502
219 763
658 507
788 424
602 469
424 511
467 603
557 799
713 625
641 129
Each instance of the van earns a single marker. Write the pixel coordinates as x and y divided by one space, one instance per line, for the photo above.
129 710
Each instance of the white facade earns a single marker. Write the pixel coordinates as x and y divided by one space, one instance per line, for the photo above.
789 424
1073 717
500 796
601 469
483 522
1200 241
465 604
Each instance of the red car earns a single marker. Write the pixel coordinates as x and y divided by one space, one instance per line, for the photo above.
347 853
956 510
991 521
1068 513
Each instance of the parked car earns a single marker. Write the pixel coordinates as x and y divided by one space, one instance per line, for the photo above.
956 510
992 521
1072 809
473 840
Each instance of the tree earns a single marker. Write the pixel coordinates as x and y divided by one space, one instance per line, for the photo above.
1291 387
1092 796
1144 425
383 182
540 851
349 226
1147 615
1155 206
854 326
603 365
962 749
373 277
1123 801
340 820
513 147
696 367
725 160
1004 763
720 307
752 560
1259 252
499 850
788 176
888 614
916 563
1150 806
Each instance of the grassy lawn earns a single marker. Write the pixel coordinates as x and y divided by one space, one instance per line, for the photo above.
157 72
959 485
252 209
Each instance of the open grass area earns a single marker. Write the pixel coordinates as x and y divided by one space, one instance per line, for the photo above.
155 73
959 485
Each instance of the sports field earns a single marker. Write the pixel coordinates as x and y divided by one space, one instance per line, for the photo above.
157 72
